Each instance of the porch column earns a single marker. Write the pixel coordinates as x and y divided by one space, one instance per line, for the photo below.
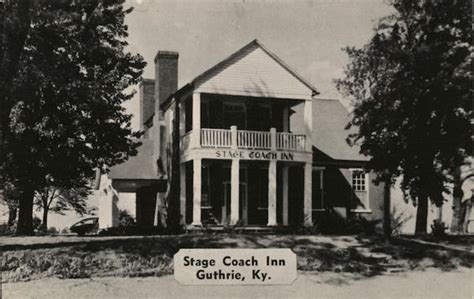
234 192
285 194
272 192
182 192
308 124
196 135
308 213
196 192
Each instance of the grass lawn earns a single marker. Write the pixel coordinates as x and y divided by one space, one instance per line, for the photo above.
72 257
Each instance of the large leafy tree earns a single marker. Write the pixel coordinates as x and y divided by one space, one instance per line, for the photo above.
68 79
411 87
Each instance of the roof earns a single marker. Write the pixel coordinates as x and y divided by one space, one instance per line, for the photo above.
330 118
140 166
223 64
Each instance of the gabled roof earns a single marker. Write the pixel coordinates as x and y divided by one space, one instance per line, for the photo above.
330 118
224 63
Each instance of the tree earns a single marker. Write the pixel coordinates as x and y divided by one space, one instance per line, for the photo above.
411 87
58 200
64 97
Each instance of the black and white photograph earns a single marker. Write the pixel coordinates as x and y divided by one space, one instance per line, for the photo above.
236 149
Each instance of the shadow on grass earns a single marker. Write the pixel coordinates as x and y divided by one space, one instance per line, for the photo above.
358 257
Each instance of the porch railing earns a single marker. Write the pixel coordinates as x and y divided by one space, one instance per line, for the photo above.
243 139
254 139
288 141
216 138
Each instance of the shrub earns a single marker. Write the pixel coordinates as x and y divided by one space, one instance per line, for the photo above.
52 231
36 223
71 268
125 219
438 228
330 222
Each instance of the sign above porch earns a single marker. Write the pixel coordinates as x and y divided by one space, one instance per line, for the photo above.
247 154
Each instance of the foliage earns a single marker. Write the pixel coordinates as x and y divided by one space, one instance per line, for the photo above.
62 98
59 200
438 228
330 222
125 219
36 223
411 86
9 196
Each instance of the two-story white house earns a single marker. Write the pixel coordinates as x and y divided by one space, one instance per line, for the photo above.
257 146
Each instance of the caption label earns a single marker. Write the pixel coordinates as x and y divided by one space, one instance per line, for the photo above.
235 266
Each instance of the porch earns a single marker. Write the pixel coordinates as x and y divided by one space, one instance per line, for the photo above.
245 193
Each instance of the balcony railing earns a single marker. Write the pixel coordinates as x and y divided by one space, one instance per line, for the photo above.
254 139
216 138
288 141
243 139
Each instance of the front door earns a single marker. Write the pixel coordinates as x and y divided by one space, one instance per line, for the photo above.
243 203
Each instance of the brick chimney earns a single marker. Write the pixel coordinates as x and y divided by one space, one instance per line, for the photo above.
166 76
166 83
147 101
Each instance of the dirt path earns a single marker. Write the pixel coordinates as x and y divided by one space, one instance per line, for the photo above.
432 283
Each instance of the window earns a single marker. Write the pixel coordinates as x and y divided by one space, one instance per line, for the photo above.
359 180
360 196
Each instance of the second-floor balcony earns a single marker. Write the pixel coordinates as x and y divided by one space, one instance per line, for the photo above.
243 139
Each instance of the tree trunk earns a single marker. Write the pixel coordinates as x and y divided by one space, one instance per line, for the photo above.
456 222
422 215
466 212
12 213
25 211
387 219
44 224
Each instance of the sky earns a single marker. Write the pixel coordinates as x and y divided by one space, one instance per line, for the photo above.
307 35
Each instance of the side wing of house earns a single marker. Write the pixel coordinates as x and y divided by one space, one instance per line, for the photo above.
339 180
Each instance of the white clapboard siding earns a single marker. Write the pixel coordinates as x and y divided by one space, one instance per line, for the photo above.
253 72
